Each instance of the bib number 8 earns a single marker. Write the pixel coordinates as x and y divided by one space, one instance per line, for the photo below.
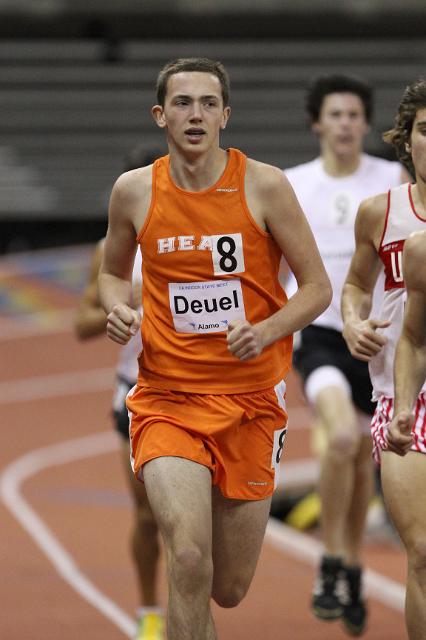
228 254
228 261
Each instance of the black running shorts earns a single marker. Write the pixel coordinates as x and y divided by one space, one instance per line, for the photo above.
321 347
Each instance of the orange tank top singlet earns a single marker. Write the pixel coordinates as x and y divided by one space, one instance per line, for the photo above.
206 263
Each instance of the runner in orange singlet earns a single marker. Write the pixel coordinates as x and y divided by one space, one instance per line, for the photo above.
208 416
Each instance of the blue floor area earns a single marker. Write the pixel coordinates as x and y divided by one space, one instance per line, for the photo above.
26 279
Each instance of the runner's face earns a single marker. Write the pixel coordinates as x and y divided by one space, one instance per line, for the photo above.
193 111
418 144
342 124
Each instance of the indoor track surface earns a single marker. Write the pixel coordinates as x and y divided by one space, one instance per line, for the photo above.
65 512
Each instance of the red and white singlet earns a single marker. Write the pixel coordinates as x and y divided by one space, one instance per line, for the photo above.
401 220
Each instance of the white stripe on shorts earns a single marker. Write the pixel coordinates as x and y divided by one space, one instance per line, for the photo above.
279 434
129 413
381 421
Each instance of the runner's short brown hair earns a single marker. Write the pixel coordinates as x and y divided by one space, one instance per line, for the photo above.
205 65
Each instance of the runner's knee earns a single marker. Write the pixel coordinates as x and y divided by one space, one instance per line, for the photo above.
230 595
191 568
416 550
344 445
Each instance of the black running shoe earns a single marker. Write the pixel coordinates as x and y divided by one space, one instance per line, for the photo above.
326 604
354 610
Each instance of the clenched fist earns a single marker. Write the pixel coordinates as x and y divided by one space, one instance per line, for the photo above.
244 340
362 338
123 322
399 436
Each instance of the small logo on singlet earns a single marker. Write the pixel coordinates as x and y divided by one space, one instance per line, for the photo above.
201 326
227 189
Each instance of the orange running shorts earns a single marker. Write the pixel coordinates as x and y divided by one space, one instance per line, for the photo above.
239 437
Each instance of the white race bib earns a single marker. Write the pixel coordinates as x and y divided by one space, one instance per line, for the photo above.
205 307
227 254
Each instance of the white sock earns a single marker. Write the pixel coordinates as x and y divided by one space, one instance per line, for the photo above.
144 611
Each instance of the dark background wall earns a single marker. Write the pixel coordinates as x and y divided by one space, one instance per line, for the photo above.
77 83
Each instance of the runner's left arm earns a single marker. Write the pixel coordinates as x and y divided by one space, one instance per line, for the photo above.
287 223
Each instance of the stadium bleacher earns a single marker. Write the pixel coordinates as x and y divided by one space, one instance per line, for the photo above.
70 112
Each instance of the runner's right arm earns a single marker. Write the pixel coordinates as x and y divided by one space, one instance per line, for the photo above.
359 331
128 206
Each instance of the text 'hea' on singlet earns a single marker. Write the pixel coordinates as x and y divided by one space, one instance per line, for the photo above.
206 263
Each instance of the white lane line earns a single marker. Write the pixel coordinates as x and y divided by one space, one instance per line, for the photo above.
284 538
304 548
32 463
59 384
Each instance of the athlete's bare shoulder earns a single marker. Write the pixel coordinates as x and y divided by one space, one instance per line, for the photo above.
265 177
371 218
131 195
269 195
267 188
134 183
374 205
